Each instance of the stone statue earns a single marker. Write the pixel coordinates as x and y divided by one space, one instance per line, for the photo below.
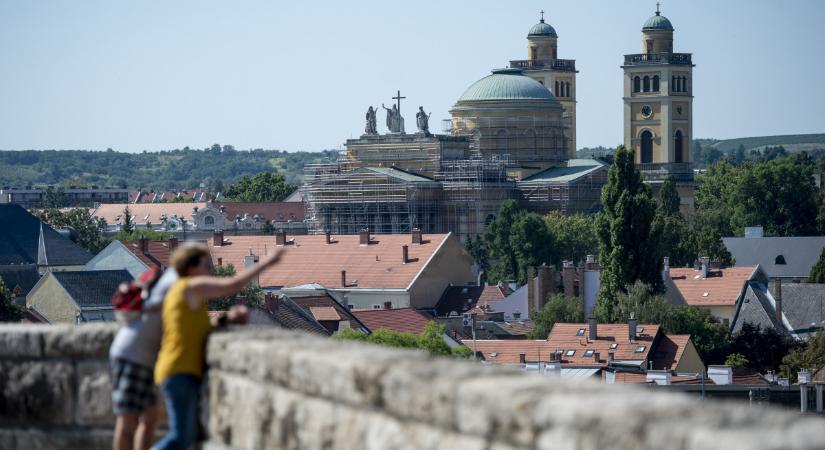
423 121
395 123
372 124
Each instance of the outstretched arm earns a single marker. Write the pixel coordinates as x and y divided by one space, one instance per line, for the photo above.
203 288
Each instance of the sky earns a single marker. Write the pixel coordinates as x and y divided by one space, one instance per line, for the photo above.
147 75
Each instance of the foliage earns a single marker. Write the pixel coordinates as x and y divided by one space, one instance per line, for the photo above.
639 299
167 170
128 223
574 235
764 349
251 295
462 351
669 198
431 340
268 228
143 233
817 274
54 198
9 312
811 356
558 309
88 230
498 244
628 247
736 360
710 337
263 187
477 249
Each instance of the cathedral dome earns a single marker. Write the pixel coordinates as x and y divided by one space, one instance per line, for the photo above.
507 84
542 29
657 22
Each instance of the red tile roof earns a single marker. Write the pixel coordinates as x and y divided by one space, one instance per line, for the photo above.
565 336
669 351
311 260
507 351
405 320
111 212
722 287
157 252
459 299
324 313
275 211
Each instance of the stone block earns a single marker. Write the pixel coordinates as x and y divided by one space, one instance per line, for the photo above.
36 393
21 341
51 439
94 394
90 341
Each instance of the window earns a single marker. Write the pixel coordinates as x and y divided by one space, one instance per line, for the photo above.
646 83
533 53
530 140
613 346
567 89
569 353
673 84
209 220
647 147
684 84
558 94
640 349
678 142
374 306
637 84
780 260
656 83
649 46
580 332
588 353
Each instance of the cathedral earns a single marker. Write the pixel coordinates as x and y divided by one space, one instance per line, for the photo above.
512 135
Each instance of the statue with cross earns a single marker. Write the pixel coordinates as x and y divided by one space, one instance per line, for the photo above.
395 123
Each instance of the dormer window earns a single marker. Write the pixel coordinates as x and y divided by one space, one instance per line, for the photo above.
588 353
580 332
640 349
569 353
614 346
780 260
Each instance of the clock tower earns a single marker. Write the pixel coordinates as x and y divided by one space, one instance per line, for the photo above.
658 107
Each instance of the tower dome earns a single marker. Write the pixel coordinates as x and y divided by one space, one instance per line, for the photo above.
657 22
507 84
542 29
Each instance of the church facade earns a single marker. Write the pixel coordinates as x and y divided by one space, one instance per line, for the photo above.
511 135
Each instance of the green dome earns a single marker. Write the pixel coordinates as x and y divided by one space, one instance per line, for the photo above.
542 29
657 22
506 84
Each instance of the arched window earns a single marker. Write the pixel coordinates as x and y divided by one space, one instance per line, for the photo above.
646 83
656 83
209 220
684 84
567 89
558 94
673 84
678 147
530 140
637 84
780 260
647 147
501 140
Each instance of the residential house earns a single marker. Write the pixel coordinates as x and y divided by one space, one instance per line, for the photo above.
402 320
317 314
133 256
33 197
26 240
718 291
457 300
76 297
361 271
794 309
19 279
786 258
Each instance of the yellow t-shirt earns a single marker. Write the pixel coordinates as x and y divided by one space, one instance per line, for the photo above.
184 335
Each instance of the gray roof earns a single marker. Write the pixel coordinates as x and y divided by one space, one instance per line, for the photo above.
92 289
24 239
575 169
507 84
757 308
24 275
803 308
116 256
799 253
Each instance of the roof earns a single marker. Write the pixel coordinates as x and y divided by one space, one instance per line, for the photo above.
460 299
397 173
291 316
276 211
24 239
32 315
142 212
575 169
722 287
669 351
565 336
802 309
93 288
311 260
404 320
507 329
326 308
657 22
799 254
542 29
22 277
507 84
157 251
324 313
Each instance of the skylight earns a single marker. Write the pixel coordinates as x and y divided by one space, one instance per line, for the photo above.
613 345
640 349
580 332
570 353
588 353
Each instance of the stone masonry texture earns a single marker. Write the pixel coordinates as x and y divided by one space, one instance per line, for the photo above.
275 389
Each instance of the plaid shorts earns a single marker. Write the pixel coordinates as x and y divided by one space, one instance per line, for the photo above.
133 387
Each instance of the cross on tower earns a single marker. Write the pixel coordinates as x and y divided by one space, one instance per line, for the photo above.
657 8
542 15
398 97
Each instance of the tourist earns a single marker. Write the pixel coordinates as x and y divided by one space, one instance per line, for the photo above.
185 327
133 353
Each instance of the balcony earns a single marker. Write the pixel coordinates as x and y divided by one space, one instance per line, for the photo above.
644 59
563 65
681 172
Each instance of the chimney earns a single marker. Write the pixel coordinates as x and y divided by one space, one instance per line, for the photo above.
343 278
248 262
705 264
531 286
364 237
611 356
387 305
416 236
568 278
553 356
593 335
778 298
217 238
544 286
144 245
721 375
272 303
597 357
405 254
666 269
631 326
220 261
328 237
173 243
280 238
522 358
505 286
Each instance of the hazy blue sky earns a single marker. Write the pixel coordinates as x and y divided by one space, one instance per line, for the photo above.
135 75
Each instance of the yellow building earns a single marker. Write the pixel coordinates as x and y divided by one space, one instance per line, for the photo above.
557 75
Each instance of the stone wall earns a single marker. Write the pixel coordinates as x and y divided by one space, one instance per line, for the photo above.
274 389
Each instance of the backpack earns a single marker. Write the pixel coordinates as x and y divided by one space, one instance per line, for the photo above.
129 297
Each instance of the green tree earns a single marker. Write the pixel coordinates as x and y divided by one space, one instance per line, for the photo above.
498 243
128 223
640 300
739 156
9 312
432 339
54 198
628 247
736 360
477 249
810 357
87 229
710 337
143 233
669 198
252 295
763 348
817 274
263 187
531 243
558 309
574 235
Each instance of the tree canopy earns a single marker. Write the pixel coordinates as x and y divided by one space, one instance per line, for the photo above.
9 312
88 229
558 309
263 187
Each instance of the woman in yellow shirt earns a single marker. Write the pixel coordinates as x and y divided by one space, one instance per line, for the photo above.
179 367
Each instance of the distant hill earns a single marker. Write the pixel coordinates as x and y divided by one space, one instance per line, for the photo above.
166 170
791 142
